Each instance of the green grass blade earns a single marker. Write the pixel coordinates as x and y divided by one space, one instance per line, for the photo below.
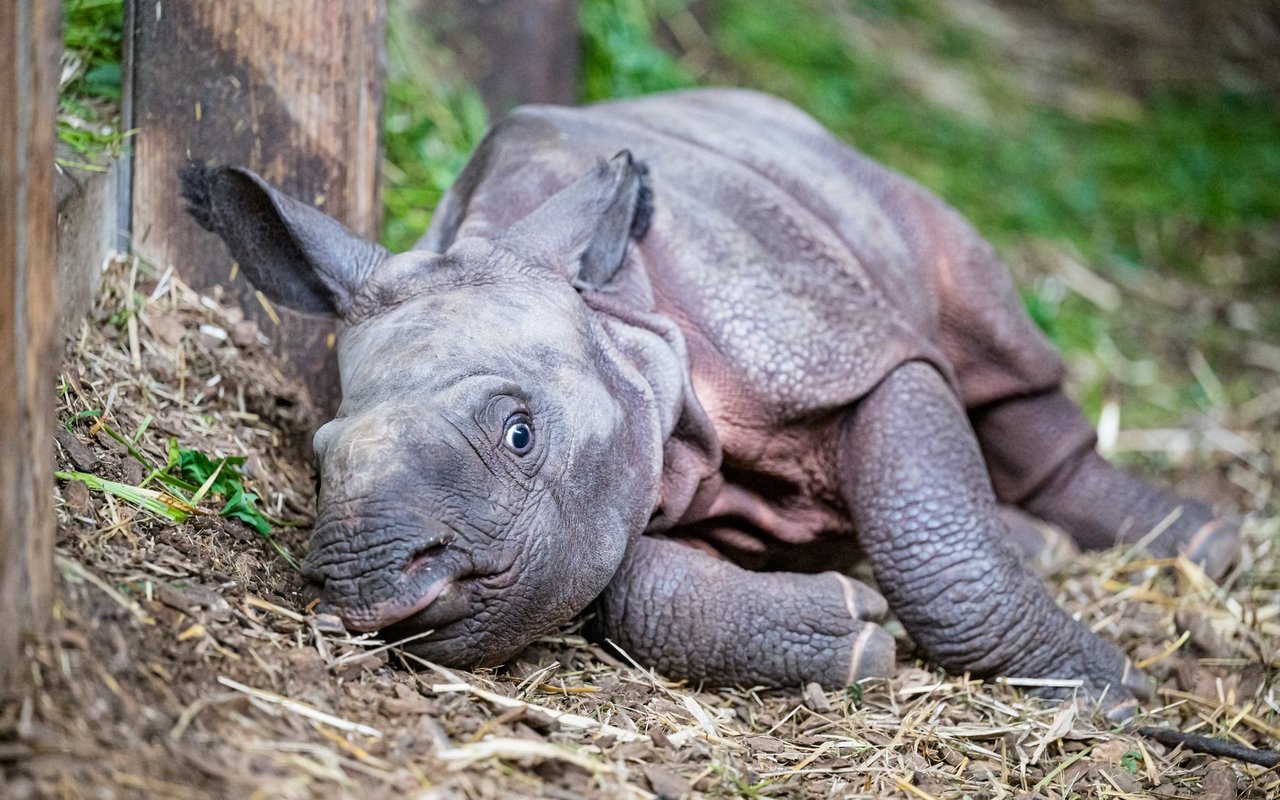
160 503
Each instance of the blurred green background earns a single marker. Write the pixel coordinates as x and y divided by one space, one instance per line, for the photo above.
89 84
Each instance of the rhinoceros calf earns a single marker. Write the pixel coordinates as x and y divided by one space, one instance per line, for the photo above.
676 357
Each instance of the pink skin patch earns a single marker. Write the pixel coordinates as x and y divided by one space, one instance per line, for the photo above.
384 614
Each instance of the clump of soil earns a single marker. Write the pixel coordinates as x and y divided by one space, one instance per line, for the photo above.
185 659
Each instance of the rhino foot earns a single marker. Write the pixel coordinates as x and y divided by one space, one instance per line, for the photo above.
1102 505
692 615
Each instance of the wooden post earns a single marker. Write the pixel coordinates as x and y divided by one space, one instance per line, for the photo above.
512 51
30 43
291 89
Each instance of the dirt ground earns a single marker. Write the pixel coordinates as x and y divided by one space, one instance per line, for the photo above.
184 660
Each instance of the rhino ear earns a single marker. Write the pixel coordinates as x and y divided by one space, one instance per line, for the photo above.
295 255
584 228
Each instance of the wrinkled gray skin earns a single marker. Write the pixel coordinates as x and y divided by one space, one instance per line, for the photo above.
679 356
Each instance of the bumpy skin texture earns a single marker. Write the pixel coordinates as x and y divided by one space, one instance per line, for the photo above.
928 519
760 346
771 628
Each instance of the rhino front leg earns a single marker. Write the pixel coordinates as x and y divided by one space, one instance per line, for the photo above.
919 493
1040 451
691 615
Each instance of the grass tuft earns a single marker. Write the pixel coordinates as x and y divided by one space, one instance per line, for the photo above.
188 477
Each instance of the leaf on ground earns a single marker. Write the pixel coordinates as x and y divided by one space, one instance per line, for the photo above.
243 506
225 480
198 467
1130 761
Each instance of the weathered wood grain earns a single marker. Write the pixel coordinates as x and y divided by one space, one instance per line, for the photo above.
292 89
512 51
28 321
87 231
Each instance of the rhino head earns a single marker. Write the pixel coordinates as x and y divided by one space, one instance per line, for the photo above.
494 453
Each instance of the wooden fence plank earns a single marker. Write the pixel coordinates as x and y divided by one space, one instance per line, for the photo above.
292 89
512 51
31 45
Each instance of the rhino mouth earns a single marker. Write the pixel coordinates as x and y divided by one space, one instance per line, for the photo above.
389 614
420 586
446 605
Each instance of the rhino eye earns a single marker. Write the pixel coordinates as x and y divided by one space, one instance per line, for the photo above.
518 437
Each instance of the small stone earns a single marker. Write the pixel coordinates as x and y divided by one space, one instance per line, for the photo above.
816 699
191 598
76 495
131 472
166 330
665 783
82 458
1219 782
1202 634
764 744
659 738
328 623
605 741
409 705
232 315
244 333
1127 782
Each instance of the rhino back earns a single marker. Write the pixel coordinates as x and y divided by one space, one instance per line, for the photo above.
800 272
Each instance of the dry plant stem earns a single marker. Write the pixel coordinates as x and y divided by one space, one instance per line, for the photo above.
567 720
1213 747
456 684
300 708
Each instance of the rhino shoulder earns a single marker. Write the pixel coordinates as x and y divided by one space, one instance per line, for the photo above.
512 140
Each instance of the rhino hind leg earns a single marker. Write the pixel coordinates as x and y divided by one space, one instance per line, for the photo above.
1043 547
694 616
921 500
1041 455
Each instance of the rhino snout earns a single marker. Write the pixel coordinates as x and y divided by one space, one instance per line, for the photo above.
370 588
